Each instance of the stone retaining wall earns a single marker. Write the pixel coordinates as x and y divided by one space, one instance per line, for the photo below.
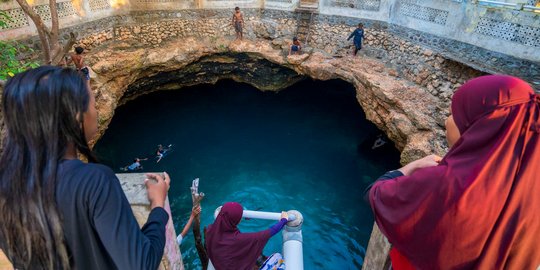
417 57
412 53
416 63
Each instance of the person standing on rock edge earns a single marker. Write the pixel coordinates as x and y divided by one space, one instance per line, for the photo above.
358 35
238 23
78 59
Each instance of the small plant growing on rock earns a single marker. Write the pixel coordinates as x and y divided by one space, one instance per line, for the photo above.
222 48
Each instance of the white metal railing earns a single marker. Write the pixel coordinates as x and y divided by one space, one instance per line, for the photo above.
292 236
518 6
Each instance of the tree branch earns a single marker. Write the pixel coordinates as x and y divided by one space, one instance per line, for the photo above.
54 23
43 31
197 197
28 10
57 57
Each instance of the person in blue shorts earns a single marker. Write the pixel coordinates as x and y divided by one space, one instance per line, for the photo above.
358 35
160 152
296 47
135 166
238 23
78 59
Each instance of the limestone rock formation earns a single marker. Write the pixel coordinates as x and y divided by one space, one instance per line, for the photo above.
405 112
408 114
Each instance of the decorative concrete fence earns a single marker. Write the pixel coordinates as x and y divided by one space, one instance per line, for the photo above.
509 27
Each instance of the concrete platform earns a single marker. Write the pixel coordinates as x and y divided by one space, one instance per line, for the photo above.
133 186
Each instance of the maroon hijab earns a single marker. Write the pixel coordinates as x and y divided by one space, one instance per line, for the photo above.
227 247
480 207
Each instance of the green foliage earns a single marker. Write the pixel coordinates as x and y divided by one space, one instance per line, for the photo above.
9 62
222 48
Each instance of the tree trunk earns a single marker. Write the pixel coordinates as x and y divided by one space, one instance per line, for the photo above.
65 50
53 51
43 31
197 198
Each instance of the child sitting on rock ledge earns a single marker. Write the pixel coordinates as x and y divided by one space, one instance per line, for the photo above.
296 47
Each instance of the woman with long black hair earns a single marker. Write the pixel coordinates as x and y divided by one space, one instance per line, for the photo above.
56 211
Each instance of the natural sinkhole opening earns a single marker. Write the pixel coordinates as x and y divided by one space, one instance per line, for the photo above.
307 147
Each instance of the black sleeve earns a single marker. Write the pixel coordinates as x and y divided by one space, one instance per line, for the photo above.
387 176
351 35
114 222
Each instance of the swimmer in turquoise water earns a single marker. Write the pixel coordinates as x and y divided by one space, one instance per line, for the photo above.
162 152
135 166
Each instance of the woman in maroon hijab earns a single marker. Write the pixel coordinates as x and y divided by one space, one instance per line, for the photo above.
228 248
478 207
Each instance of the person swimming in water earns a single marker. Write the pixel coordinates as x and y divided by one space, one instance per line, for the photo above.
135 166
160 152
379 142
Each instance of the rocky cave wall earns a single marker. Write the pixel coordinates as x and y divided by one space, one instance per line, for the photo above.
415 62
241 67
405 59
124 70
191 38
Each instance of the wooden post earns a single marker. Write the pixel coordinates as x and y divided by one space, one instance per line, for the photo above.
197 197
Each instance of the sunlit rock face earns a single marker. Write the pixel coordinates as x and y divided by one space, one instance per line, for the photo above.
405 112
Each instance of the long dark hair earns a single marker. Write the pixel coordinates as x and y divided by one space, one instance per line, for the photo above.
43 113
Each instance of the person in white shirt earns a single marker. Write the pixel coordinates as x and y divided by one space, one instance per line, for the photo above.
194 212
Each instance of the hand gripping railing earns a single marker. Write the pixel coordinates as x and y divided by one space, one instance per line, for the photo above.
292 236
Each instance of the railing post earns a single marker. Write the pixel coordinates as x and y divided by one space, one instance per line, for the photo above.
293 252
292 242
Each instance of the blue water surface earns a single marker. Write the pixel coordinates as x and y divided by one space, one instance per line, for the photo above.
306 148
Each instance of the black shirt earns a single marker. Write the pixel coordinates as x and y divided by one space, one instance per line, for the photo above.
100 229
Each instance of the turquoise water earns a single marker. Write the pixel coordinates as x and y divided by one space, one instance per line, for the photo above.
306 148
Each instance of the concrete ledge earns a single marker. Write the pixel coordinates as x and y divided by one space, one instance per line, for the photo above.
133 186
377 255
